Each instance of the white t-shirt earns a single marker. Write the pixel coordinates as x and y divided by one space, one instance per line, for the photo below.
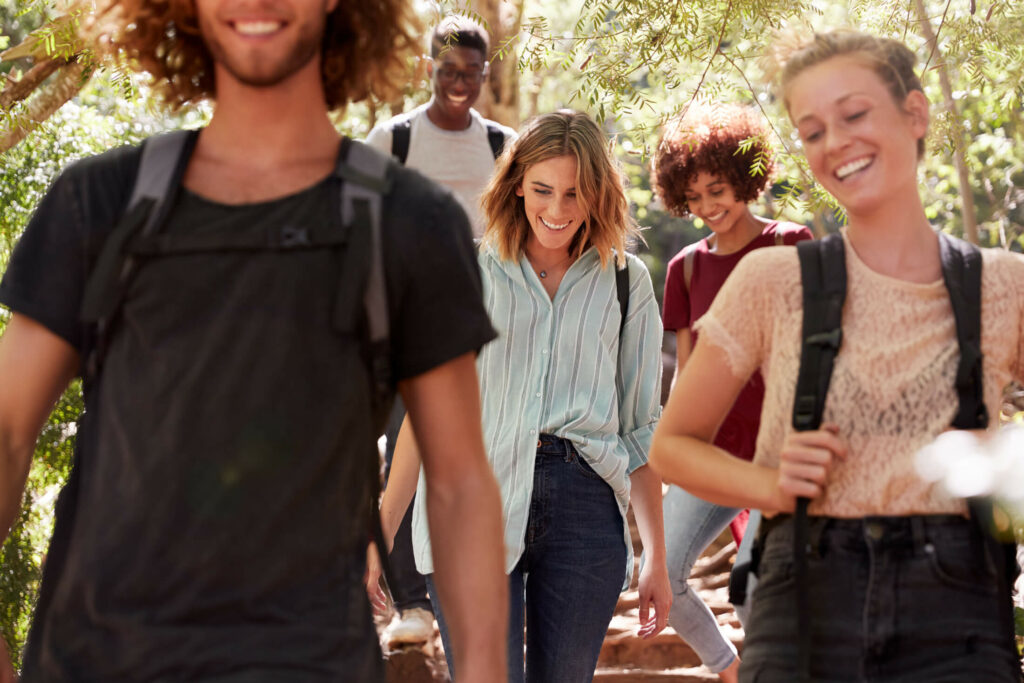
461 160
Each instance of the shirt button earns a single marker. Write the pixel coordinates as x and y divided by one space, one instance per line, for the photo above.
538 394
545 351
533 431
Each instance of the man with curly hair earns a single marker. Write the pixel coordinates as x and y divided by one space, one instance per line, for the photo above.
215 525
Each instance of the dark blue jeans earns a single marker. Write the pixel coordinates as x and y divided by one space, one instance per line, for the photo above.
892 599
565 586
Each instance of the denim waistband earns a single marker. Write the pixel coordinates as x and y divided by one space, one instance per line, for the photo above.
910 531
549 444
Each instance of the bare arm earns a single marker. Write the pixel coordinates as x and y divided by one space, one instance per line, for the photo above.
464 512
35 367
684 345
402 481
645 496
683 454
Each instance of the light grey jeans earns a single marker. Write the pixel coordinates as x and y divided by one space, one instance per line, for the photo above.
691 524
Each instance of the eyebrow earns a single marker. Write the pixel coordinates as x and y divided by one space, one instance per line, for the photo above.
839 101
549 187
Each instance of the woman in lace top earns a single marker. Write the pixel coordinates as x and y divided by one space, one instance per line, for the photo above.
899 586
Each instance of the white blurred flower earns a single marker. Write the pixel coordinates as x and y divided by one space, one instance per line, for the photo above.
967 466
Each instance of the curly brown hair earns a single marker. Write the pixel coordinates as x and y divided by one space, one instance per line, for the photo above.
729 141
367 47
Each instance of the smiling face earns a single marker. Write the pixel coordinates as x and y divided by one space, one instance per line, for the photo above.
261 43
456 76
713 200
861 145
551 205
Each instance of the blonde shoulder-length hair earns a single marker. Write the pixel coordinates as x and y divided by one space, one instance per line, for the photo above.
599 188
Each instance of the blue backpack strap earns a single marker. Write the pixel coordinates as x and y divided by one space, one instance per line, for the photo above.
161 169
823 281
401 132
495 138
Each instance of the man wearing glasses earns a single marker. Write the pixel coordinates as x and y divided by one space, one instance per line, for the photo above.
446 139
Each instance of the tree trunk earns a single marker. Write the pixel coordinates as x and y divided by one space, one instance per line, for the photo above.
69 81
966 197
499 99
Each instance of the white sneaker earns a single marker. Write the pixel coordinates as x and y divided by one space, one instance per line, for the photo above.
412 627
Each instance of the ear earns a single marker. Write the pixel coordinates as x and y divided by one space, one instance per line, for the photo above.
917 108
430 67
519 190
332 5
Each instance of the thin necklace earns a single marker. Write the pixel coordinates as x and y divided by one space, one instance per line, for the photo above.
543 272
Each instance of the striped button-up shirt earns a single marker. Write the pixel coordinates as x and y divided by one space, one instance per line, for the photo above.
557 368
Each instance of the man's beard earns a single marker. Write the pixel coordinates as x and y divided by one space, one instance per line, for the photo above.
259 71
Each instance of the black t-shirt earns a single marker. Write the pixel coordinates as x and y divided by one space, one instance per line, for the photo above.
217 522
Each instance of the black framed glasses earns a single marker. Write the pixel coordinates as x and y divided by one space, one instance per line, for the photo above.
449 75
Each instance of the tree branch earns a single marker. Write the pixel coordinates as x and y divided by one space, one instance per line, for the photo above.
67 85
969 213
19 90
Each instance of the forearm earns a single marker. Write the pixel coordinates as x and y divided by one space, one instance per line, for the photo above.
713 474
473 589
645 496
402 482
15 460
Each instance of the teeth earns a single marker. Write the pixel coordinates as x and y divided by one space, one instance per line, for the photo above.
552 226
256 28
717 217
852 167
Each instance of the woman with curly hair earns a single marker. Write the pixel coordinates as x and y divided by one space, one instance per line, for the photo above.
887 579
570 399
712 163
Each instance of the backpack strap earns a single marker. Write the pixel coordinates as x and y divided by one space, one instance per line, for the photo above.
622 292
495 138
961 271
161 169
823 280
364 171
401 133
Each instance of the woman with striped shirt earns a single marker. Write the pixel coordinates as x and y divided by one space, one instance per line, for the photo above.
570 401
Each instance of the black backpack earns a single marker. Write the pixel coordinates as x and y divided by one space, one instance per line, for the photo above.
401 132
823 280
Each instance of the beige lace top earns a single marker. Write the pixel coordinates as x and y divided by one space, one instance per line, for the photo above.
892 387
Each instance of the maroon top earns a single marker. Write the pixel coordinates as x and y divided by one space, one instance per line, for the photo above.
738 433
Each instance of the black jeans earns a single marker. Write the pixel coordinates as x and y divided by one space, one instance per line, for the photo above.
408 587
892 599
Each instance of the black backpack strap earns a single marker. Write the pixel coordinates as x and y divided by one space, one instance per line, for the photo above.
961 271
823 280
495 138
622 292
401 132
161 169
